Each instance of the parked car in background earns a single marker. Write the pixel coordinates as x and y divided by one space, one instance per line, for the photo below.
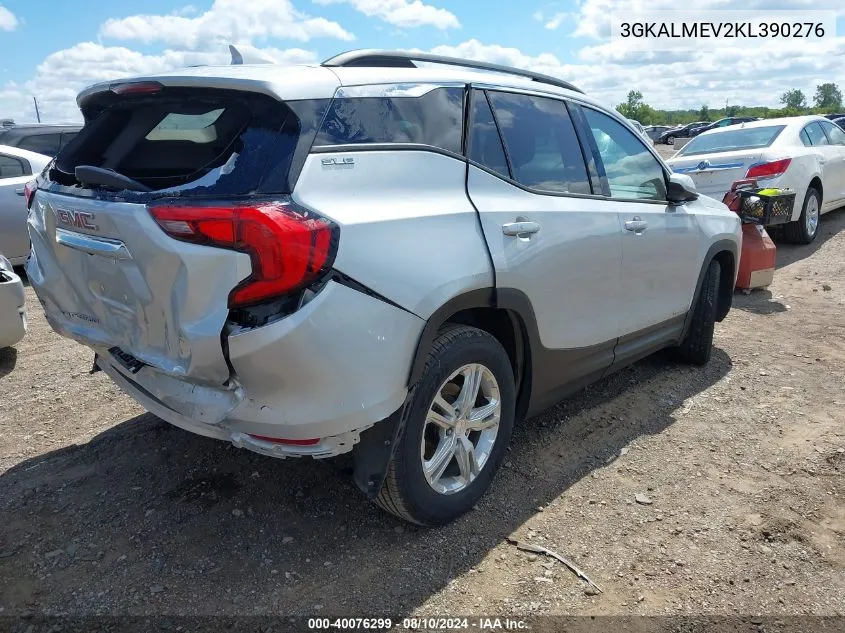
805 154
682 131
271 283
637 126
726 122
38 137
12 305
654 131
840 121
17 167
836 115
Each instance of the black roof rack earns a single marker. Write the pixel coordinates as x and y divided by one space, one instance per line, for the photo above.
400 59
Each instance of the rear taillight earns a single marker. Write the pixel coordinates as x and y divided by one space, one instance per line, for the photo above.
768 170
290 247
29 192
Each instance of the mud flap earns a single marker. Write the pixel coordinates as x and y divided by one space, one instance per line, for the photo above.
372 454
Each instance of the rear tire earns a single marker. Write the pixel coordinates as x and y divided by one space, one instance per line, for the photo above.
806 227
697 345
415 489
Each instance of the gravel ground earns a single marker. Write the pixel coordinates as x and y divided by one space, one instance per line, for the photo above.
678 490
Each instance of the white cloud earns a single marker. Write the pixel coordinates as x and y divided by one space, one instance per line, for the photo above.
8 21
227 21
62 75
680 79
556 20
402 13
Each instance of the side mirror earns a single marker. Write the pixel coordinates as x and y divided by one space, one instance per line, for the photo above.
681 188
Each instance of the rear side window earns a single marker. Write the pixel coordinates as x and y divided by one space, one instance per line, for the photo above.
816 134
435 118
12 167
188 142
834 133
485 144
47 144
541 143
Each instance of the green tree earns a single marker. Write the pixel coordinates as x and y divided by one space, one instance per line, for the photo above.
635 108
794 99
828 96
732 110
704 113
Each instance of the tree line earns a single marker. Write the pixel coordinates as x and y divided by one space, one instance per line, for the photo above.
826 100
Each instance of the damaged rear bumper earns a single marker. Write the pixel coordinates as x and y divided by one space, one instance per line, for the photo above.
327 372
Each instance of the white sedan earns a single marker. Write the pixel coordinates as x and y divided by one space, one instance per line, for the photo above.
17 167
12 312
805 154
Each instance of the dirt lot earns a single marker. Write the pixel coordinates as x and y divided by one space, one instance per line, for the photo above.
107 510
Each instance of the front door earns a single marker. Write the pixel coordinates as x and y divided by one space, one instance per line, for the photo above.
660 241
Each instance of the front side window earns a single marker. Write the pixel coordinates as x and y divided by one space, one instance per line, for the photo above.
435 118
12 167
633 173
816 134
541 143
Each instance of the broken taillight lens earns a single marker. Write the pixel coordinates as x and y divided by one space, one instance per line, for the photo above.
290 247
29 192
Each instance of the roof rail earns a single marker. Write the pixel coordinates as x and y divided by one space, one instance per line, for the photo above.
372 58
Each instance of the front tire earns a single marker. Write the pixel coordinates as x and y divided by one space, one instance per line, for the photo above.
697 345
806 227
459 425
670 140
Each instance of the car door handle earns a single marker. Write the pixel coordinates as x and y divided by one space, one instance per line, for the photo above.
520 229
637 225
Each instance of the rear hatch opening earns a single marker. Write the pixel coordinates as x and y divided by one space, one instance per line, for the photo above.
167 223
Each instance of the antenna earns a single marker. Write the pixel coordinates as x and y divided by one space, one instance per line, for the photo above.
37 113
237 58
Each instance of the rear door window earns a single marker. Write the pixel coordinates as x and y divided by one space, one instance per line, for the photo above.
47 144
834 133
485 144
542 147
816 134
398 115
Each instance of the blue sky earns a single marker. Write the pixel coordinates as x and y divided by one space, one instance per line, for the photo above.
53 48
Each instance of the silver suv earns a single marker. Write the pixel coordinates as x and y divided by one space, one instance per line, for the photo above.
391 254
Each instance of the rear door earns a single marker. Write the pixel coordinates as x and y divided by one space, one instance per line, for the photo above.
548 237
660 241
835 185
106 272
14 239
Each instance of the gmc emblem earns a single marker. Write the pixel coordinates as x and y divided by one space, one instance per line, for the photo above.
76 219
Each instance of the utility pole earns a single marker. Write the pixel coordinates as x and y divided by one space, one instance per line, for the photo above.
37 113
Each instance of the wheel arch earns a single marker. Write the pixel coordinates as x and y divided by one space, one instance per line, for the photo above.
509 319
726 253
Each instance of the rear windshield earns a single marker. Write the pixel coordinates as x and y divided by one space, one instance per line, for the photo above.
190 142
731 140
